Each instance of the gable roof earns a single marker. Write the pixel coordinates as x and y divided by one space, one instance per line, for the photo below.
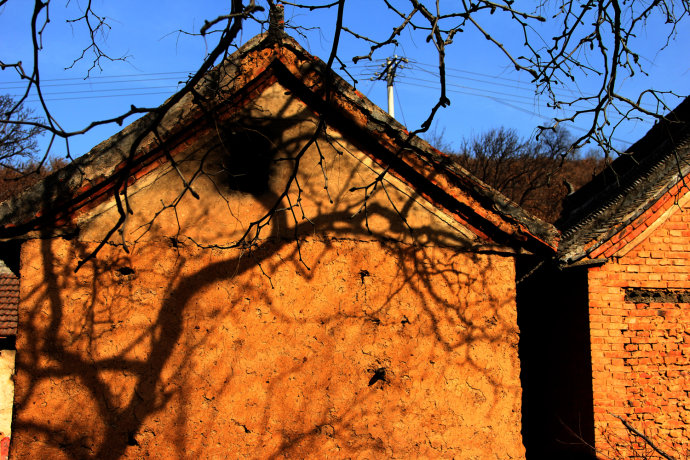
9 300
618 202
50 206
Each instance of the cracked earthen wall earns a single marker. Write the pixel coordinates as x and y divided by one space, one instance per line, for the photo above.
362 340
640 323
6 399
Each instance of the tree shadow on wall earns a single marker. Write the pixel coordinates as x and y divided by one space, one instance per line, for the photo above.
323 336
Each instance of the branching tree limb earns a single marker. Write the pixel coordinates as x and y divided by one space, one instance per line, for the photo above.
642 436
594 39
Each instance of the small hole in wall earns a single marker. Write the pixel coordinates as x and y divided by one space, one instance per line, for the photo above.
125 271
379 375
131 440
248 160
374 320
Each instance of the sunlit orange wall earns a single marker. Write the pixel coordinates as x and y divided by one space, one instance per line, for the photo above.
183 349
198 353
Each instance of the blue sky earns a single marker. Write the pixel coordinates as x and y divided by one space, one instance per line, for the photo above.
485 91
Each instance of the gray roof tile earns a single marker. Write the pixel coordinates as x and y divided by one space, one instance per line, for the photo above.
627 187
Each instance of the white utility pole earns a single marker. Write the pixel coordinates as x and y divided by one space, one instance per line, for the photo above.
390 67
389 85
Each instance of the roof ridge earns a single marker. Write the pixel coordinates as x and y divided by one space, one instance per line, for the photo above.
603 207
630 185
104 162
675 123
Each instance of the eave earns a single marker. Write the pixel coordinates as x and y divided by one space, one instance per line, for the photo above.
52 206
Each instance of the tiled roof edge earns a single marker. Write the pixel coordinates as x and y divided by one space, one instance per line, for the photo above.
670 166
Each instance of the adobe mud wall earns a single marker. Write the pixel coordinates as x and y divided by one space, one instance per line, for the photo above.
377 350
6 399
640 322
389 331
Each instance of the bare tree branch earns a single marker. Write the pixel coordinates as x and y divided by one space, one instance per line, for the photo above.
645 438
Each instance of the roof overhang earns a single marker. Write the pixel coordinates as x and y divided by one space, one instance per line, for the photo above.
50 207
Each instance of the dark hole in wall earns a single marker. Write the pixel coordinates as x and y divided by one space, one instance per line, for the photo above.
248 159
555 361
379 375
8 343
131 440
9 253
125 271
657 295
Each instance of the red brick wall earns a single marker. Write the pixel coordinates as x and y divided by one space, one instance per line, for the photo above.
641 347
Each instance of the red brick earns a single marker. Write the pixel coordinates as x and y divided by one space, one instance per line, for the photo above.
613 311
637 231
618 355
658 205
643 362
671 225
647 409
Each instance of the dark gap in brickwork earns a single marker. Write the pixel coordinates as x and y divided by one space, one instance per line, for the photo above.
657 295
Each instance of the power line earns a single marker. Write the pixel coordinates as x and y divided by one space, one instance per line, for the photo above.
100 77
451 77
104 90
567 125
562 92
100 96
90 83
479 74
514 83
477 92
505 97
173 88
503 101
402 112
480 92
125 78
455 85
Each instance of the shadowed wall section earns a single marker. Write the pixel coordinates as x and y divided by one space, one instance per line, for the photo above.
556 370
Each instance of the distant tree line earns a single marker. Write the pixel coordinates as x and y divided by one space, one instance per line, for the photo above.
19 168
537 174
14 180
